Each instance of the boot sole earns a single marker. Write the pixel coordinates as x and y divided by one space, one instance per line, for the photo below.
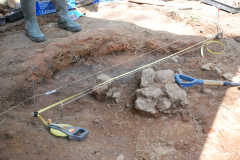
69 29
35 39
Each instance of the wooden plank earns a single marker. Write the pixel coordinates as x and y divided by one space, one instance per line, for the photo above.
152 2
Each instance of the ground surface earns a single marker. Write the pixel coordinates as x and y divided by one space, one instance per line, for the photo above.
114 33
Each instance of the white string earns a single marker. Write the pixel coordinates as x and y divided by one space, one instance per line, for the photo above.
93 74
122 77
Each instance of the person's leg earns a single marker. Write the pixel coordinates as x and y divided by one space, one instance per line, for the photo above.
32 29
64 19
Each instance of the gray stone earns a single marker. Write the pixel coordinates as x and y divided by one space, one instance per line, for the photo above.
120 157
150 92
117 100
142 105
206 90
179 70
228 76
164 76
147 78
219 72
163 104
174 59
206 66
109 93
99 92
176 94
116 95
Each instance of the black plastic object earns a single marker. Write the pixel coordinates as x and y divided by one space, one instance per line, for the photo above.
2 20
72 132
222 6
15 16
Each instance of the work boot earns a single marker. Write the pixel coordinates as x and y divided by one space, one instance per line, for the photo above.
64 19
32 29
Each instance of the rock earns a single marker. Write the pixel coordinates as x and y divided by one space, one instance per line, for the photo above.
100 92
237 38
39 50
174 59
116 95
179 70
128 105
206 66
150 92
163 104
117 100
120 157
201 31
206 90
142 105
147 78
228 76
185 117
176 94
109 93
219 72
164 76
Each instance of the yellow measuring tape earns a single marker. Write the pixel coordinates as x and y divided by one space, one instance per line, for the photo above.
207 41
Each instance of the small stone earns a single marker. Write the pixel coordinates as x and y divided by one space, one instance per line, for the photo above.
164 103
164 76
39 50
206 66
206 90
185 117
176 94
112 135
108 105
216 69
97 120
201 31
116 95
174 59
228 76
142 105
128 105
147 78
179 70
120 157
117 100
150 92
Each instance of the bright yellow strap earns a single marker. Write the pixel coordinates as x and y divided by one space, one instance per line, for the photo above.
209 42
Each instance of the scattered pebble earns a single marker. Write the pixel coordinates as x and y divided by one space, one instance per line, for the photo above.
206 66
201 31
218 70
228 76
179 70
174 59
108 105
128 105
206 90
120 157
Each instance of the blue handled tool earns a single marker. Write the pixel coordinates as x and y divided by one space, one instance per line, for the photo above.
189 81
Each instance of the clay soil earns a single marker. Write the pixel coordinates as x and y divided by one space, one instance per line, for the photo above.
114 33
